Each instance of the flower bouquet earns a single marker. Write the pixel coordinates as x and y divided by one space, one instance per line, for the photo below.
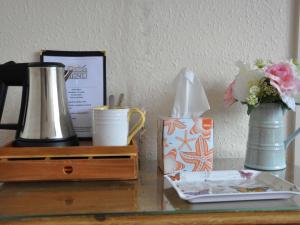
265 82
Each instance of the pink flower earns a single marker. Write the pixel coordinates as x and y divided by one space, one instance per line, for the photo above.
283 79
228 98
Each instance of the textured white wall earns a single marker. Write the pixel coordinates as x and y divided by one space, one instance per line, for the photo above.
148 42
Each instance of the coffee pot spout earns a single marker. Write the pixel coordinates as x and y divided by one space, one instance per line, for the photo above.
290 138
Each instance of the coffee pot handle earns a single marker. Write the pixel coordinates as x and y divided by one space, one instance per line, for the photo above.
13 74
3 92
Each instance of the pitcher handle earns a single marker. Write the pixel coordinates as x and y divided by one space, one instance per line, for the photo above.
140 123
291 137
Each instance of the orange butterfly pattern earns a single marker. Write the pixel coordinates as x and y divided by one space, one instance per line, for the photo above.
188 144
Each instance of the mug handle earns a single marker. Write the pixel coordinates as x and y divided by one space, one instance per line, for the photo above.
138 125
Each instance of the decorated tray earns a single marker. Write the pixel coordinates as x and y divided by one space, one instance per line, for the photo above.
230 185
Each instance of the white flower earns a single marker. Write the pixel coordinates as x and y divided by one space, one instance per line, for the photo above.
252 100
244 80
254 90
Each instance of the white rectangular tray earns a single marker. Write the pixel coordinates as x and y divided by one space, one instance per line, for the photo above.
230 185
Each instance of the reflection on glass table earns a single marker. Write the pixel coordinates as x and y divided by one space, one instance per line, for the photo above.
150 194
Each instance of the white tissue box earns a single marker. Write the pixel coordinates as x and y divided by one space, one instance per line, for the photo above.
185 144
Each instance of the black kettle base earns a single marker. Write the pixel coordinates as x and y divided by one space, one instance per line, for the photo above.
71 141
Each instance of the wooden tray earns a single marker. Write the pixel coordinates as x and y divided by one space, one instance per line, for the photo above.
68 163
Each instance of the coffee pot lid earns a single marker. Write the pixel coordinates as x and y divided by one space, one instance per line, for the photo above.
46 64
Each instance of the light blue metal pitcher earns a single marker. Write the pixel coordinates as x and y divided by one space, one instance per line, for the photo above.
266 147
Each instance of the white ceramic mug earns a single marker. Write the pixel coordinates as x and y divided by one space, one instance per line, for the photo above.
111 125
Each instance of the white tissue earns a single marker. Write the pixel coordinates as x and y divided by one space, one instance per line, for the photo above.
190 98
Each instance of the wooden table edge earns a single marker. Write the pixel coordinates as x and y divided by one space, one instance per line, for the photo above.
212 218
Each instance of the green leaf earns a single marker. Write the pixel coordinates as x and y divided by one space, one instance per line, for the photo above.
260 63
295 62
250 108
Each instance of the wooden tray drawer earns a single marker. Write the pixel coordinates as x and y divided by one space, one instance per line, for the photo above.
68 163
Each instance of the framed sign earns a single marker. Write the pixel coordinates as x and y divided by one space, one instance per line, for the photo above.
86 86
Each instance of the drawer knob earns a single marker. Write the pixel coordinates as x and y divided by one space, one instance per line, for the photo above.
68 169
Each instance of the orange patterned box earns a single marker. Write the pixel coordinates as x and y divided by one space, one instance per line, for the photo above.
185 144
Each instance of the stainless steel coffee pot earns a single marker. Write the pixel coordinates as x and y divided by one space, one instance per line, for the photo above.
44 118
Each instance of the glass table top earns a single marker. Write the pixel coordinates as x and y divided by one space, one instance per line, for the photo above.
150 194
